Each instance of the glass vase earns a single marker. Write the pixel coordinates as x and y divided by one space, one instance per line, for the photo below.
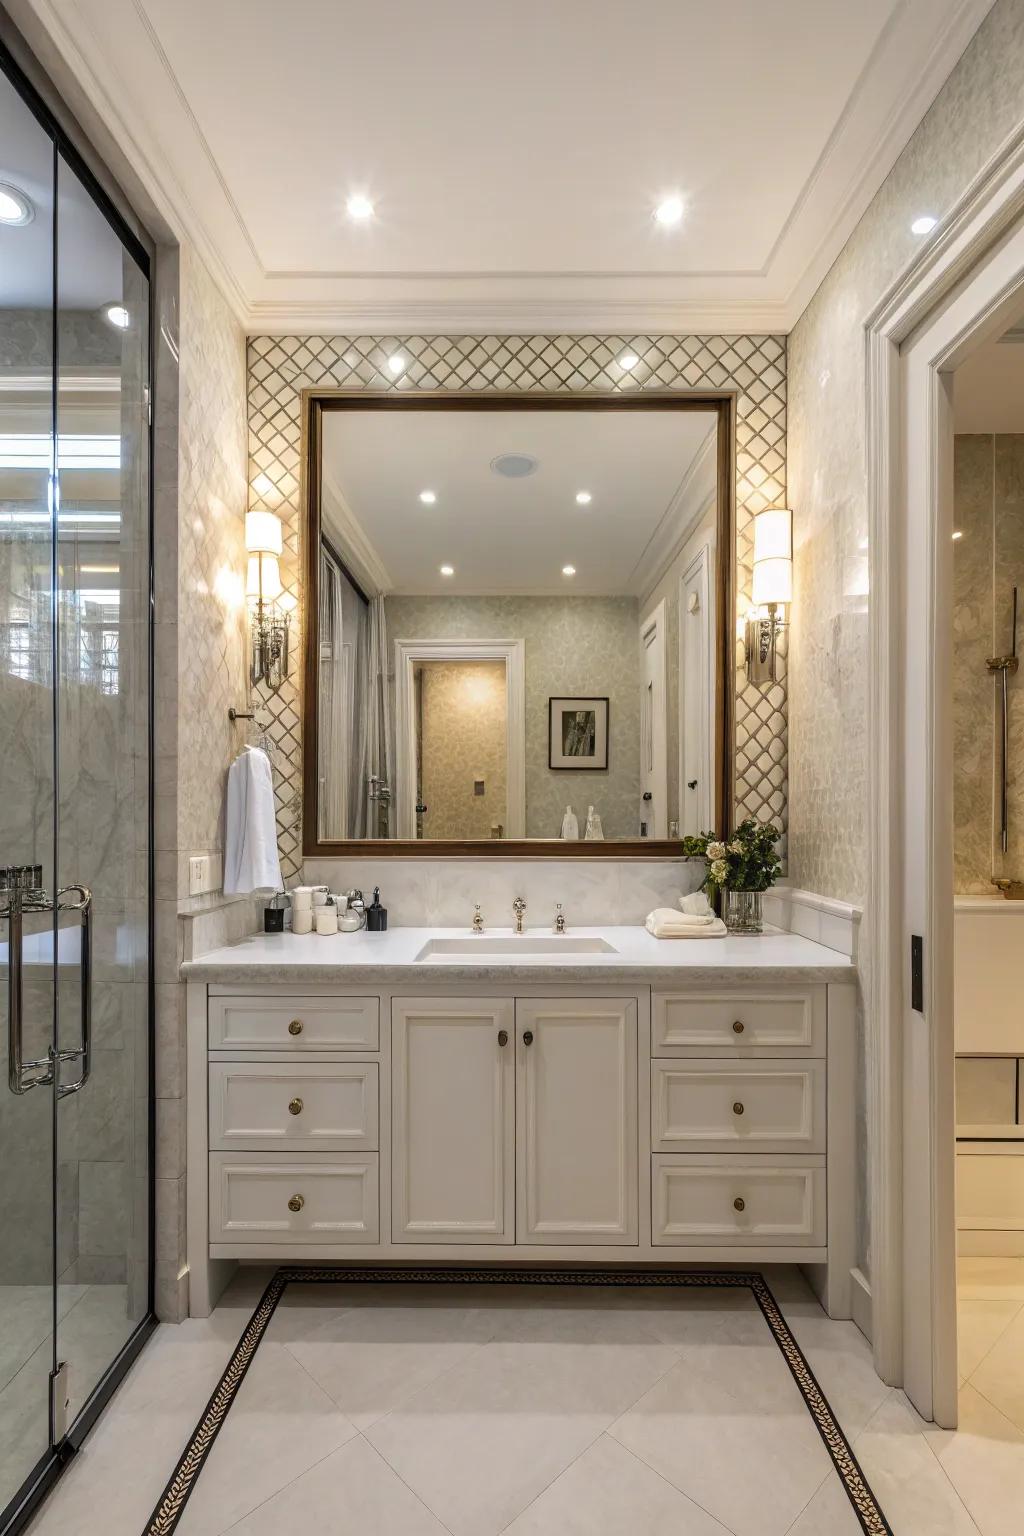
743 912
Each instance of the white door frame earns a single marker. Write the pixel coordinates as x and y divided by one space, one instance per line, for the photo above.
655 627
958 294
513 654
697 575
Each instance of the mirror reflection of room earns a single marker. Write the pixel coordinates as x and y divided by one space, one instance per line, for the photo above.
516 623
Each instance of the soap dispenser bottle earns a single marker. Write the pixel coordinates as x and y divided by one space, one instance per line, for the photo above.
594 832
327 917
376 915
570 826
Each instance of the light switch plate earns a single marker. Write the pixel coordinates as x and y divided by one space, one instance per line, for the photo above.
198 874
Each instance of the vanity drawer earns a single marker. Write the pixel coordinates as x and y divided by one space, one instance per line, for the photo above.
298 1106
252 1197
739 1201
773 1021
745 1106
254 1022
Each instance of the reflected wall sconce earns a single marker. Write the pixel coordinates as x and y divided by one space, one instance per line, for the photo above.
268 603
772 590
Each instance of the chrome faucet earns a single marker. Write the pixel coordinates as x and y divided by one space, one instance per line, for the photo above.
519 907
478 919
559 918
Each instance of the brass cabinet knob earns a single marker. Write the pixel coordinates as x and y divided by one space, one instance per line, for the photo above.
503 1037
295 1027
737 1027
527 1036
739 1204
296 1203
737 1108
295 1106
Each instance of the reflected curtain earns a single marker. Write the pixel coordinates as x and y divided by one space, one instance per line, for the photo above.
332 753
375 754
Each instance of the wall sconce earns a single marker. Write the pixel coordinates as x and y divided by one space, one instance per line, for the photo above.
772 590
269 605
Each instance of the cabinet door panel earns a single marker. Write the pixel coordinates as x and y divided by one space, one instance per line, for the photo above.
453 1120
576 1113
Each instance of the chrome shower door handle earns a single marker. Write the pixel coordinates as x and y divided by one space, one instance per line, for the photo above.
20 883
82 1053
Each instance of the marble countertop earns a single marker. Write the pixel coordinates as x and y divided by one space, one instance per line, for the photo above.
383 959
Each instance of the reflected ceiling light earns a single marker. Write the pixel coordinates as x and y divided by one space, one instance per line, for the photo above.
924 225
583 498
396 364
958 533
359 207
447 570
568 570
117 316
100 570
15 207
428 498
628 360
669 211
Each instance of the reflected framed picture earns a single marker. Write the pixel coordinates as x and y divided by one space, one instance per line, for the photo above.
578 733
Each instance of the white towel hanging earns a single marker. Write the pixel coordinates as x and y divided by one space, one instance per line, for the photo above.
250 828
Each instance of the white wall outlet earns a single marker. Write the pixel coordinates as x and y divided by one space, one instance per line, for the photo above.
198 874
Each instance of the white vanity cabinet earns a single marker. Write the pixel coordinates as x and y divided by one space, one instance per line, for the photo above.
545 1122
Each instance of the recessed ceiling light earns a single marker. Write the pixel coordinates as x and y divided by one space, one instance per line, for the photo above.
396 363
359 206
447 570
924 225
584 498
958 533
428 498
15 207
628 360
568 570
670 211
117 315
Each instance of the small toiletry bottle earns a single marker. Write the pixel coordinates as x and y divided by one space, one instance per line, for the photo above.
327 916
302 917
376 915
570 826
594 832
273 913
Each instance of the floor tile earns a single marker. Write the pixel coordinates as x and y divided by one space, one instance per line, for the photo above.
984 1460
910 1485
979 1323
840 1357
485 1439
607 1492
1000 1376
350 1493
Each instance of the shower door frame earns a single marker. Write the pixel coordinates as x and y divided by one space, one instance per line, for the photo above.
957 294
73 147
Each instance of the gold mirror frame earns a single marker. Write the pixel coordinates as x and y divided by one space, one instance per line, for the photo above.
314 402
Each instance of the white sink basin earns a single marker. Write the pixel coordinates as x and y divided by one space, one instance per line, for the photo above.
482 946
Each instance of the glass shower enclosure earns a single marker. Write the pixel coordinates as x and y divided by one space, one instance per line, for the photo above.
75 798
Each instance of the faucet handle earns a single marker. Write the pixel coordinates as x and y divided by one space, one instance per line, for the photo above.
478 918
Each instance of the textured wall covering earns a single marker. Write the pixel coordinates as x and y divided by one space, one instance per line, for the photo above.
575 647
463 738
977 108
753 366
988 561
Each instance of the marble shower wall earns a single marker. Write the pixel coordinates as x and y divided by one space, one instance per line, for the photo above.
977 108
754 366
988 561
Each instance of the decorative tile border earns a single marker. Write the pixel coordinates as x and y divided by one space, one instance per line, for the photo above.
165 1517
754 366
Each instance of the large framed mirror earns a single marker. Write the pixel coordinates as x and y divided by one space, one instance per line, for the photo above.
518 635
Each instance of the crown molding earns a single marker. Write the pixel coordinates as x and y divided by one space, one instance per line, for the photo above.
357 548
694 496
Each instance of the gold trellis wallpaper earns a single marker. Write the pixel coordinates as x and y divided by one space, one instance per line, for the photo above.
754 366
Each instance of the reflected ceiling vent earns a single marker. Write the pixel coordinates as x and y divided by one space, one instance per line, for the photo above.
514 466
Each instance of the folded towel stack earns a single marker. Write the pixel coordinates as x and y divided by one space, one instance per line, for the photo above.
667 923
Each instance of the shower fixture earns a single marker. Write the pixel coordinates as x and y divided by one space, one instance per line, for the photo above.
1004 665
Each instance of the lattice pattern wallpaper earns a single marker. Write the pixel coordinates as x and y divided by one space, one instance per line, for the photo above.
755 366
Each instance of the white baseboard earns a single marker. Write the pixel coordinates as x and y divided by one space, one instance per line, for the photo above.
835 924
976 1243
860 1301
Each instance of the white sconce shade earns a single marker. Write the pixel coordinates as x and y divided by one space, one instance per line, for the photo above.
773 556
263 581
263 533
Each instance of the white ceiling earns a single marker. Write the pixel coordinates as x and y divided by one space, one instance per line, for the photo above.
509 536
514 152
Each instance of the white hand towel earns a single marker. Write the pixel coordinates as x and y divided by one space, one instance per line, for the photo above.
250 828
696 905
666 923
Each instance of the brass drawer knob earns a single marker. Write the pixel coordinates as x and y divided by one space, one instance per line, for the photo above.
737 1108
295 1106
503 1037
739 1204
527 1036
295 1027
296 1203
737 1027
